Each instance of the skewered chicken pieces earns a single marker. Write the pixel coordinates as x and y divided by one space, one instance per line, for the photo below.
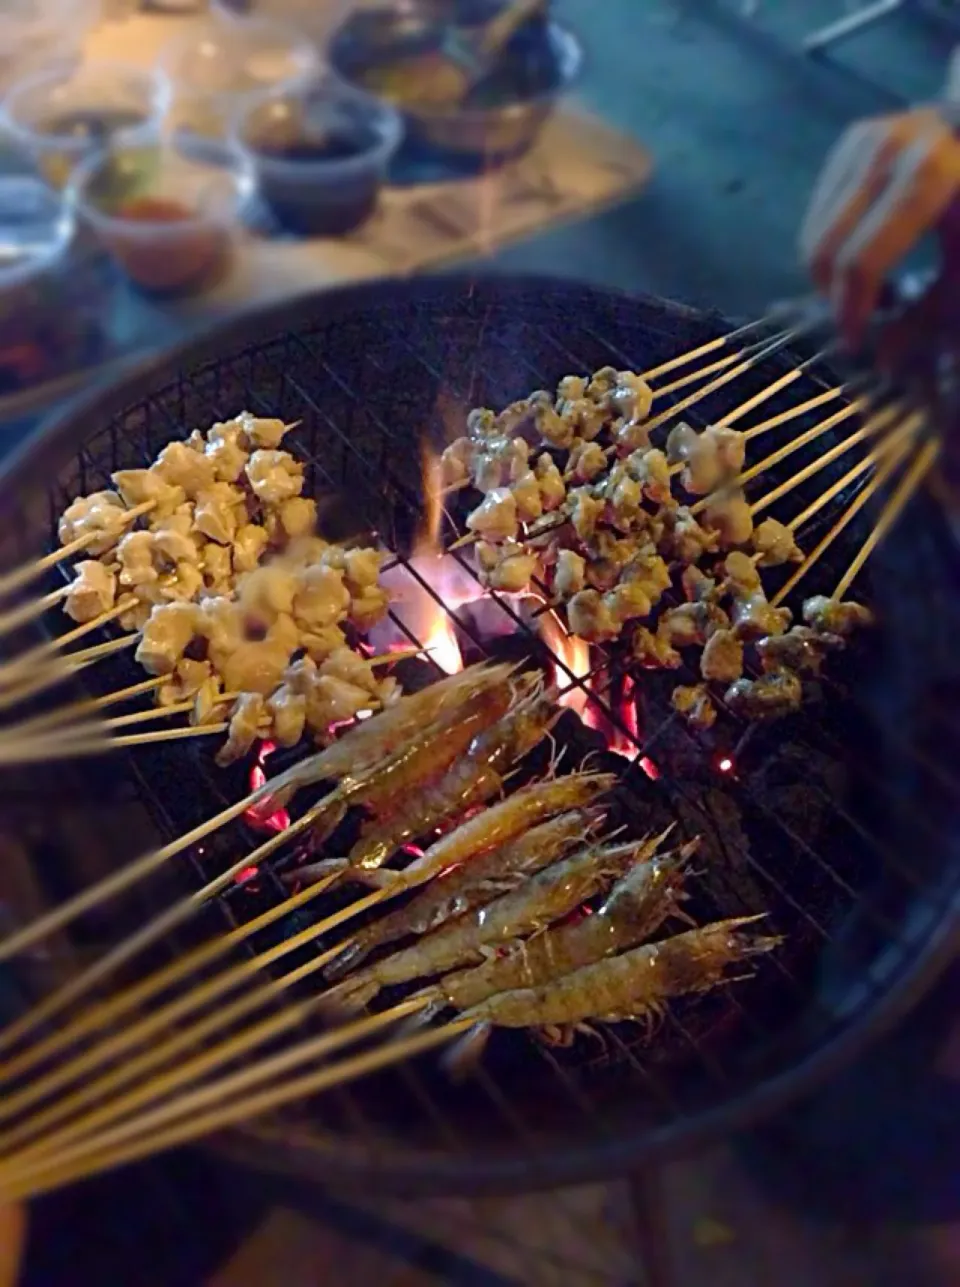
226 450
695 704
775 544
753 617
258 433
569 574
586 512
138 486
655 650
274 476
182 466
801 650
185 682
321 599
834 617
92 592
590 617
553 490
220 510
495 518
166 636
288 715
135 554
722 657
728 514
507 567
587 461
773 695
248 716
101 516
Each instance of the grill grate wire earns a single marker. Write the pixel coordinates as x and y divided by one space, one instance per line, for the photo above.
358 415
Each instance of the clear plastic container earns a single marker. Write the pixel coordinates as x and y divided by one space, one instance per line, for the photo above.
169 222
53 299
217 67
60 117
42 33
319 155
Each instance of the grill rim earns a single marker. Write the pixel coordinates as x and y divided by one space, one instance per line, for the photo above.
64 435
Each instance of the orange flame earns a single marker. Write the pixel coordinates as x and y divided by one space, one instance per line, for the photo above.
437 633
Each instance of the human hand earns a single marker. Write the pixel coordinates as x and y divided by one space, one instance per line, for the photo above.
888 183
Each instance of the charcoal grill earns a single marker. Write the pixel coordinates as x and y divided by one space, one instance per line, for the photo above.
841 822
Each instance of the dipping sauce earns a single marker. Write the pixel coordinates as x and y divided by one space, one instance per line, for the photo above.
320 157
166 264
168 222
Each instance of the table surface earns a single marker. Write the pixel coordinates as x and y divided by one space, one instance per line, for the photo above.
579 167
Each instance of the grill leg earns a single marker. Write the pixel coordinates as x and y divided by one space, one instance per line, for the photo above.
651 1227
850 25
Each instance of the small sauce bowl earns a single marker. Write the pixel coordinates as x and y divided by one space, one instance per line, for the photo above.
217 67
60 117
320 155
169 222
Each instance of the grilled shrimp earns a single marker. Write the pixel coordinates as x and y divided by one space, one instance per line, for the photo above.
545 898
506 820
473 885
637 906
428 754
369 744
634 986
472 779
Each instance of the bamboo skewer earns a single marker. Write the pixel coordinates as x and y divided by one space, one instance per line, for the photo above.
99 1156
893 459
76 711
182 1075
12 670
711 346
28 612
905 431
122 1072
61 669
22 576
174 1010
733 373
874 425
234 1083
106 1012
105 889
905 489
154 929
50 749
794 413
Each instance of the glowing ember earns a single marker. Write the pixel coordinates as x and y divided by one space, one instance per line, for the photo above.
275 821
725 765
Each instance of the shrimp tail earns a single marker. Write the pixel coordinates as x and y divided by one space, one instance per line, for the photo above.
461 1059
349 997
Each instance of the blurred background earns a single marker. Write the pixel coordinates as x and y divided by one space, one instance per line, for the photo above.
167 165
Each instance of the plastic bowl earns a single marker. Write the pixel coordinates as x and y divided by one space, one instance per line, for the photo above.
37 34
217 67
501 117
59 117
319 156
169 222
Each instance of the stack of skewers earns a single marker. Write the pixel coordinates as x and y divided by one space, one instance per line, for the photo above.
497 905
